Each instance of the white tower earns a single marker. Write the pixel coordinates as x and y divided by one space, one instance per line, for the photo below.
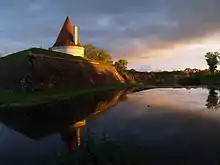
68 40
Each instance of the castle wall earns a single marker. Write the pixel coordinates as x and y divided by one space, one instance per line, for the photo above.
73 50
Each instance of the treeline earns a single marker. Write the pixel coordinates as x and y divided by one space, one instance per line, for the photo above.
210 76
181 77
172 78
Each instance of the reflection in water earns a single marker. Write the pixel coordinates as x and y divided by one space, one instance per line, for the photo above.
174 128
212 100
66 117
72 137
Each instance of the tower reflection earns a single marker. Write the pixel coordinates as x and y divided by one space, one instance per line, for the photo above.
72 137
66 118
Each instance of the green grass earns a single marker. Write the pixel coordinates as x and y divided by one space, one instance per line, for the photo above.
12 68
15 66
39 97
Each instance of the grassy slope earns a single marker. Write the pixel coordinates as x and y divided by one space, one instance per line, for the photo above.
15 66
12 68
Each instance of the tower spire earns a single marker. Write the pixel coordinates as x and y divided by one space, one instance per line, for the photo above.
68 40
65 37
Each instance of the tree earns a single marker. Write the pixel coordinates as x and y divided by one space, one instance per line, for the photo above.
121 65
104 56
95 53
212 61
91 51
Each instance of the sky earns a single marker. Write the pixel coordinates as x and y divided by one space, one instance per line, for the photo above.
150 34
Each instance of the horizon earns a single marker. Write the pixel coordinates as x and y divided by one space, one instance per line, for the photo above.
151 35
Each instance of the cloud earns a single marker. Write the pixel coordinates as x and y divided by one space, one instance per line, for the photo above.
141 31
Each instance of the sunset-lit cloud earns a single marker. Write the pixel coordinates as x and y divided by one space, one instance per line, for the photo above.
155 34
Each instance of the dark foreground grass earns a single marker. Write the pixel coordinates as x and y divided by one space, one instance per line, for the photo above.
104 152
12 99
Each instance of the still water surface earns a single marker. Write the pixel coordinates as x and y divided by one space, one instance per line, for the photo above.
168 122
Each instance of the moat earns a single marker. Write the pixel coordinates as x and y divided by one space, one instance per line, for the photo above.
172 124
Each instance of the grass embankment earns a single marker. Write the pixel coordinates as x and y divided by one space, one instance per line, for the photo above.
12 99
15 66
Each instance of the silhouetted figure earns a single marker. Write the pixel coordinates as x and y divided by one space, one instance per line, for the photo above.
212 100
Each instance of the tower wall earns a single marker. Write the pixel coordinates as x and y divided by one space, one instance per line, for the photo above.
72 50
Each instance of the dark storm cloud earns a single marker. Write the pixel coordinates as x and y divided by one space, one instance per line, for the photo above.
116 25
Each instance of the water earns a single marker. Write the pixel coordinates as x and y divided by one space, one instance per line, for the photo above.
170 123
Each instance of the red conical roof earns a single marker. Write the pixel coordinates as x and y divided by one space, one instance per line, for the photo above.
66 35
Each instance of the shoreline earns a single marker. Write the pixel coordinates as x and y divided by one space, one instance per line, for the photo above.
22 100
19 100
